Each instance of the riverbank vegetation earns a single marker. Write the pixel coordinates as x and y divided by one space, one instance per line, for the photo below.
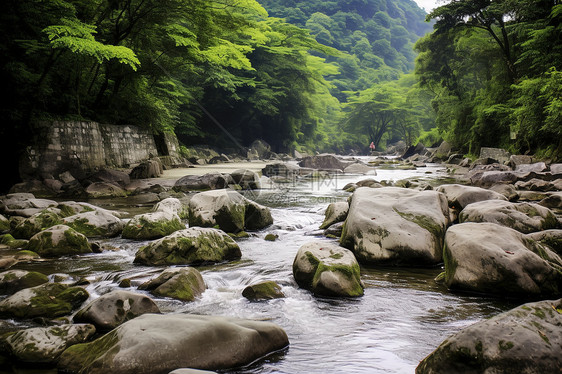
495 70
313 75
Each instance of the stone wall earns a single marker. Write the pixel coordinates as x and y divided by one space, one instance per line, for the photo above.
81 147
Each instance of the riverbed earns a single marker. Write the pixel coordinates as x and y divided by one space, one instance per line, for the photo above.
403 316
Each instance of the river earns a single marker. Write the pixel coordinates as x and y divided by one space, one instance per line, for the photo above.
403 316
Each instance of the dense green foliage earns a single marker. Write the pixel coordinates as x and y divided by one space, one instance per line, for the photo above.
495 70
221 72
376 36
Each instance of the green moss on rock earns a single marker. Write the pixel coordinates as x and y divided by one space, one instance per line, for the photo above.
263 291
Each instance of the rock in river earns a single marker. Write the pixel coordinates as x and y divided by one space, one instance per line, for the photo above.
489 258
460 196
59 240
47 300
527 339
229 210
523 217
327 270
112 309
12 281
396 226
263 291
336 212
194 245
163 221
184 283
183 341
45 344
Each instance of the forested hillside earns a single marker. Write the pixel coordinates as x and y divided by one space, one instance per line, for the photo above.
377 36
495 70
221 72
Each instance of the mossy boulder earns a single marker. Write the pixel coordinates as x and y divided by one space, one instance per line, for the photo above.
210 181
334 231
164 220
523 217
327 270
246 179
459 196
152 226
4 224
228 210
195 245
526 339
190 341
493 259
59 240
114 308
98 223
396 226
99 190
173 205
550 238
184 283
45 344
9 241
48 300
263 291
23 204
12 281
37 222
336 212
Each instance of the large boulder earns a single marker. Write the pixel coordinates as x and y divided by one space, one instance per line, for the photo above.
114 308
185 283
95 223
190 341
263 291
116 177
228 210
246 179
147 169
493 259
281 171
39 221
12 281
523 217
526 339
4 224
48 300
45 344
324 162
460 196
550 238
59 240
195 245
418 149
336 212
23 204
261 149
396 226
327 270
359 168
99 190
210 181
163 221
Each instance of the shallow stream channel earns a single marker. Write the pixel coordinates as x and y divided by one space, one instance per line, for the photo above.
402 317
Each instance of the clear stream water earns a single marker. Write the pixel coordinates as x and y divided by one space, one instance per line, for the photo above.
403 316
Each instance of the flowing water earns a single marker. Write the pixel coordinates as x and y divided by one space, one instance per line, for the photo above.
403 316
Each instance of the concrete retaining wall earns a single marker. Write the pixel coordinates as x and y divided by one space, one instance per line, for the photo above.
81 147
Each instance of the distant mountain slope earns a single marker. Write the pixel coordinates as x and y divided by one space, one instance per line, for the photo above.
377 35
